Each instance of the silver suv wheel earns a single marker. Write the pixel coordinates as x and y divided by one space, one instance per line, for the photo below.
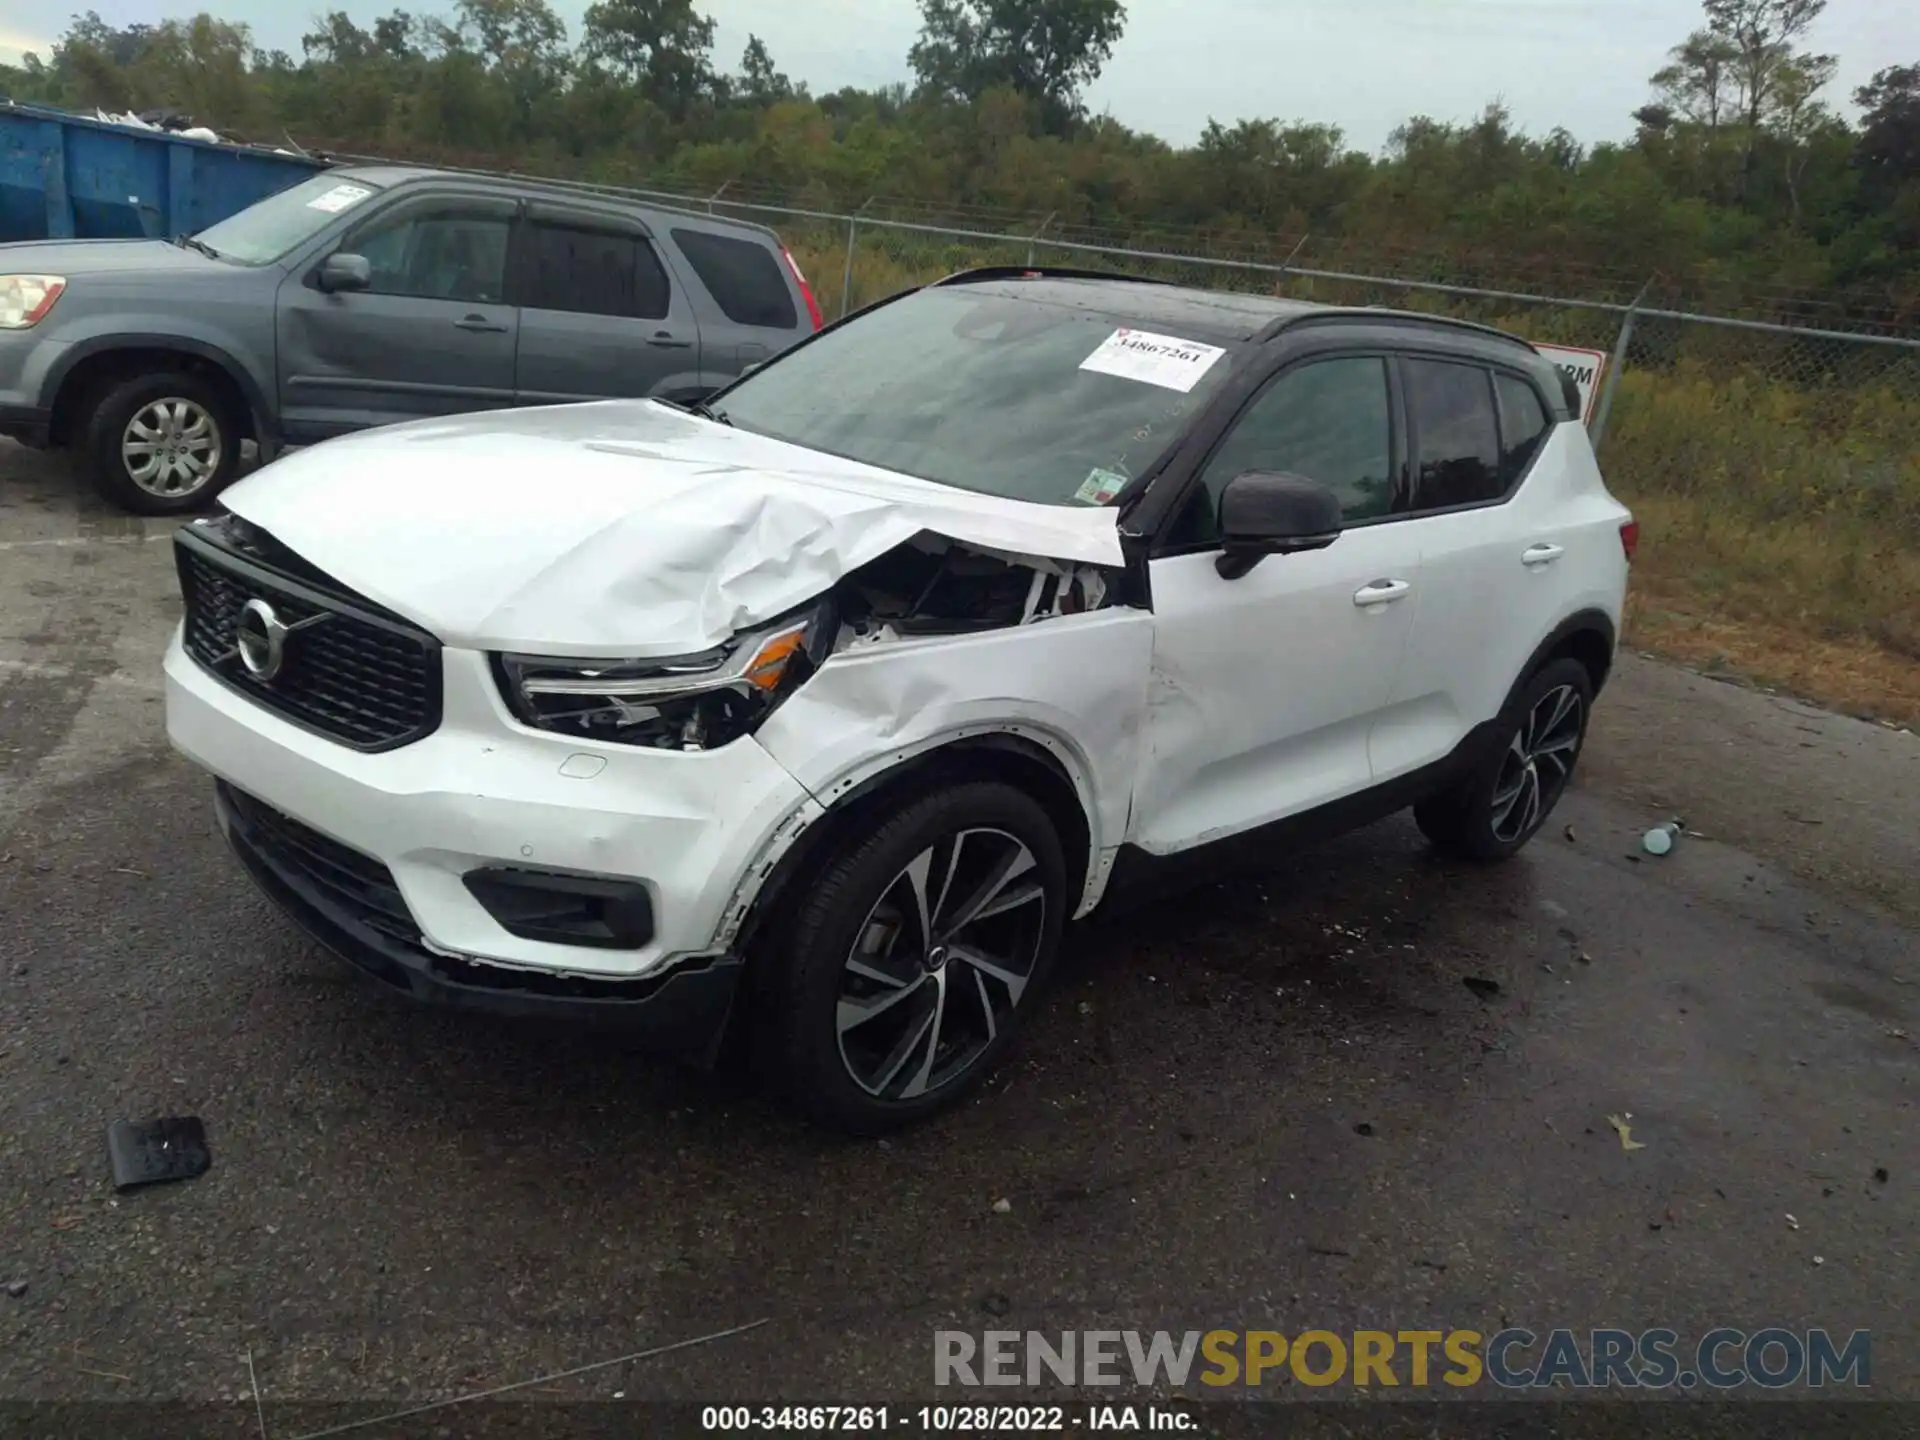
1538 762
172 447
939 966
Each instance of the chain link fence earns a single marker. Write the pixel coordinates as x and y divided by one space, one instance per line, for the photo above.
1779 462
1771 446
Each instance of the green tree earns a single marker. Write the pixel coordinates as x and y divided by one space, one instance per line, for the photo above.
1769 71
1697 84
1047 51
201 67
93 65
761 82
1797 116
356 88
1889 149
1723 194
660 46
1888 161
522 46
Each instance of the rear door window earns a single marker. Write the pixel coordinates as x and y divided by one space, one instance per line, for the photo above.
744 278
594 272
1458 456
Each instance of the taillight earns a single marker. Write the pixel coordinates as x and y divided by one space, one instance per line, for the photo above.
806 290
1630 538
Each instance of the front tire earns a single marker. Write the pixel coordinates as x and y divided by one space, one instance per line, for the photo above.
161 444
914 956
1502 804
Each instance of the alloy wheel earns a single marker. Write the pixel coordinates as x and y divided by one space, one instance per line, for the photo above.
171 447
1537 763
940 964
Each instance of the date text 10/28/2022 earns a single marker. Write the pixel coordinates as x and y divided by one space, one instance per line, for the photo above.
944 1419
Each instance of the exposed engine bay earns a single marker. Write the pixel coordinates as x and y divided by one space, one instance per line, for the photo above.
934 586
926 588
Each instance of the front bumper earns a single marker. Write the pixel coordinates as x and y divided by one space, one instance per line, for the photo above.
368 851
29 362
29 424
682 1012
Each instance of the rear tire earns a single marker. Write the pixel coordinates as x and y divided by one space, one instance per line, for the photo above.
163 443
1501 805
875 1017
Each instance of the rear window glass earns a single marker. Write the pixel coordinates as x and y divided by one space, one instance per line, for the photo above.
594 272
744 279
1523 426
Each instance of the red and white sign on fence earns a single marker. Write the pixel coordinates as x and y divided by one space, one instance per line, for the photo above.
1585 367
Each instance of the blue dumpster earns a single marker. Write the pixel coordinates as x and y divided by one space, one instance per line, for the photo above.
67 177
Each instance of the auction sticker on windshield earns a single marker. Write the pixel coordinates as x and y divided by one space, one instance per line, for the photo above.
339 198
1152 359
1101 486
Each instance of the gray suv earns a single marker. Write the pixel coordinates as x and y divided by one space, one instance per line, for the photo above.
365 296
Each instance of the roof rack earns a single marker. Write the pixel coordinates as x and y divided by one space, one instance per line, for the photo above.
1387 315
619 195
1037 272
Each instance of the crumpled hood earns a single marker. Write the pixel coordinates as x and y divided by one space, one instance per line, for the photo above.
615 528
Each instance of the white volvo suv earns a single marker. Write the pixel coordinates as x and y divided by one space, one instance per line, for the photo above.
811 715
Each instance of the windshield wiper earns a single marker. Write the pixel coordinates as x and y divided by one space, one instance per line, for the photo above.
698 407
194 242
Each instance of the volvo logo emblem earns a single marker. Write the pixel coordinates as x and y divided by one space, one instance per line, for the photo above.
261 638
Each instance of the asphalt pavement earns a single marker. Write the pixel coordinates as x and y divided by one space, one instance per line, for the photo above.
1275 1102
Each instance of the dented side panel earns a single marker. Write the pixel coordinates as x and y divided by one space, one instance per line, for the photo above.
1076 684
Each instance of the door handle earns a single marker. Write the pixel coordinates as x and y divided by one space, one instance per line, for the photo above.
1381 592
1538 555
664 340
479 323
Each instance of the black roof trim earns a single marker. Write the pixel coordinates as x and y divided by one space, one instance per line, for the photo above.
1381 316
1043 272
1317 314
395 175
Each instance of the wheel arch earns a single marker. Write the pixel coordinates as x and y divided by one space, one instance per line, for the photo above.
1587 636
91 364
1038 764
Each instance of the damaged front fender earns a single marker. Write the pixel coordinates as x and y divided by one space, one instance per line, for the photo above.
1075 685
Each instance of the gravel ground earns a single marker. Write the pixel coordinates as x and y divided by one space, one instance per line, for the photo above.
1271 1103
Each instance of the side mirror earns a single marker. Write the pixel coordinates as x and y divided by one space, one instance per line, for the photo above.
1266 513
342 272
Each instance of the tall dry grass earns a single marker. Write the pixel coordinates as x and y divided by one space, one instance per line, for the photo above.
1799 506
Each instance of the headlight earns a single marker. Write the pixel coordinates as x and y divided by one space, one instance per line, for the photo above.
26 299
689 702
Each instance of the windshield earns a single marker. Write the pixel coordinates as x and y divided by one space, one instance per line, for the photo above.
1003 394
262 233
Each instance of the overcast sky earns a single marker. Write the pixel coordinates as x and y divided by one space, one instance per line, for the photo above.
1362 64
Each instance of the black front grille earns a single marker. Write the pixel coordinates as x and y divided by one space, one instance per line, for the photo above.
350 672
354 887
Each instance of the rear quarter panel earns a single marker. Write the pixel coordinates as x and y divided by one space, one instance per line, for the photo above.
1483 613
729 348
